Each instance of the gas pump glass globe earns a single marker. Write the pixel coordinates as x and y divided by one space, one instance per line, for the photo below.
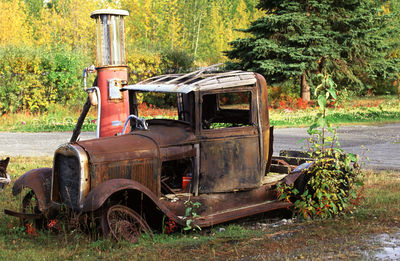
110 37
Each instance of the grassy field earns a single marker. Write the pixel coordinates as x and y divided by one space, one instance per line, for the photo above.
346 237
372 110
58 118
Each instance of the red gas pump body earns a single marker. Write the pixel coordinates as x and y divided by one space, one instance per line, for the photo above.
114 104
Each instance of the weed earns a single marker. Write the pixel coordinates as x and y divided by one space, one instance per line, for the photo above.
190 215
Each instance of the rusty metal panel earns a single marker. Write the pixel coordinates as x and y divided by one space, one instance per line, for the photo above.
168 133
177 152
119 148
221 207
143 171
264 120
241 212
229 164
39 180
134 157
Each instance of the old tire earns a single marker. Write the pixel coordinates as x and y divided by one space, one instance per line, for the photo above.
30 205
122 223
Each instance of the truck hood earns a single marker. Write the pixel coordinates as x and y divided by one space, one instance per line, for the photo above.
168 133
168 140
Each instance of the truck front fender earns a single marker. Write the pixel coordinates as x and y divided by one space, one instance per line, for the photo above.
39 180
98 196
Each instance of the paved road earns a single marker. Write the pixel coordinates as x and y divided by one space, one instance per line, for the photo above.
35 144
383 143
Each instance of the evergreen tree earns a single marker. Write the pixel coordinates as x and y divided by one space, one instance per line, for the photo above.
298 39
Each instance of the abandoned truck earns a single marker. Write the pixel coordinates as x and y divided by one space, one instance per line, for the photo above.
218 152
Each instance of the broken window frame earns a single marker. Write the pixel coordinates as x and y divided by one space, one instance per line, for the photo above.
252 108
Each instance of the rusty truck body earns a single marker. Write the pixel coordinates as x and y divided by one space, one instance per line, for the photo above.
222 141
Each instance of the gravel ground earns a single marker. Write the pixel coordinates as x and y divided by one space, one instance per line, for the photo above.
382 143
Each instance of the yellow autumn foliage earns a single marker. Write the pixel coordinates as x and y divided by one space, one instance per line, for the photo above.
14 27
71 26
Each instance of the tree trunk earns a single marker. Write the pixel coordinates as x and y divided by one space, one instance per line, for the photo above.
198 34
398 90
305 88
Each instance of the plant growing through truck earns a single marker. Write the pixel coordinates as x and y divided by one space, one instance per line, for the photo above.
333 178
190 214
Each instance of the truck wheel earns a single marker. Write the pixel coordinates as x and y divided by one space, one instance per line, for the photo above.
121 222
30 205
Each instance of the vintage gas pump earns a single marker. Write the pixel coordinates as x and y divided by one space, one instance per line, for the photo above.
111 70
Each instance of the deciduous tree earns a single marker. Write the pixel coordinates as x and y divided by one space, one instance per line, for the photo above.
14 29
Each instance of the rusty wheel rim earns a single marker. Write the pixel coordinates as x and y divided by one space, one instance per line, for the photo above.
126 224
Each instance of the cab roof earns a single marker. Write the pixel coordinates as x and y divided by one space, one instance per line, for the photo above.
200 80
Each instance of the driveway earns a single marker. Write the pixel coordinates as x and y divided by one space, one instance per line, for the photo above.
382 143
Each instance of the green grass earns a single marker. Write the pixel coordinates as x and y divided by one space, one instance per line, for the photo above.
343 237
58 118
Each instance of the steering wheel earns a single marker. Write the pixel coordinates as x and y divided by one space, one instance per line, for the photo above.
140 123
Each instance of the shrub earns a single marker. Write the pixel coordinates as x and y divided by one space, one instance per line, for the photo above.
32 79
327 186
62 75
20 80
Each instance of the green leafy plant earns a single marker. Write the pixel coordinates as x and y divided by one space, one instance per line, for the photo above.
32 79
191 214
331 181
320 142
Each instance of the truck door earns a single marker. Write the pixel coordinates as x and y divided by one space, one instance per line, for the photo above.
229 141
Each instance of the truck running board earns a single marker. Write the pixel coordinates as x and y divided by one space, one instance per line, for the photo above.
232 214
22 215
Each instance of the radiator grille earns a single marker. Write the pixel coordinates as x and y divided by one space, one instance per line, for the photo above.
67 173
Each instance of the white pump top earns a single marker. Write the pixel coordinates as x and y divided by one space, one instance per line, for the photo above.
109 11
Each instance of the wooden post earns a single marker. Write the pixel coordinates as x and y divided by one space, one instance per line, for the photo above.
305 88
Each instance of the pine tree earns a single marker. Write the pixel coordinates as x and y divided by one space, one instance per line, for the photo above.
295 40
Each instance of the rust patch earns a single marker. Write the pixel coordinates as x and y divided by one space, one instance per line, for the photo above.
229 164
143 171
